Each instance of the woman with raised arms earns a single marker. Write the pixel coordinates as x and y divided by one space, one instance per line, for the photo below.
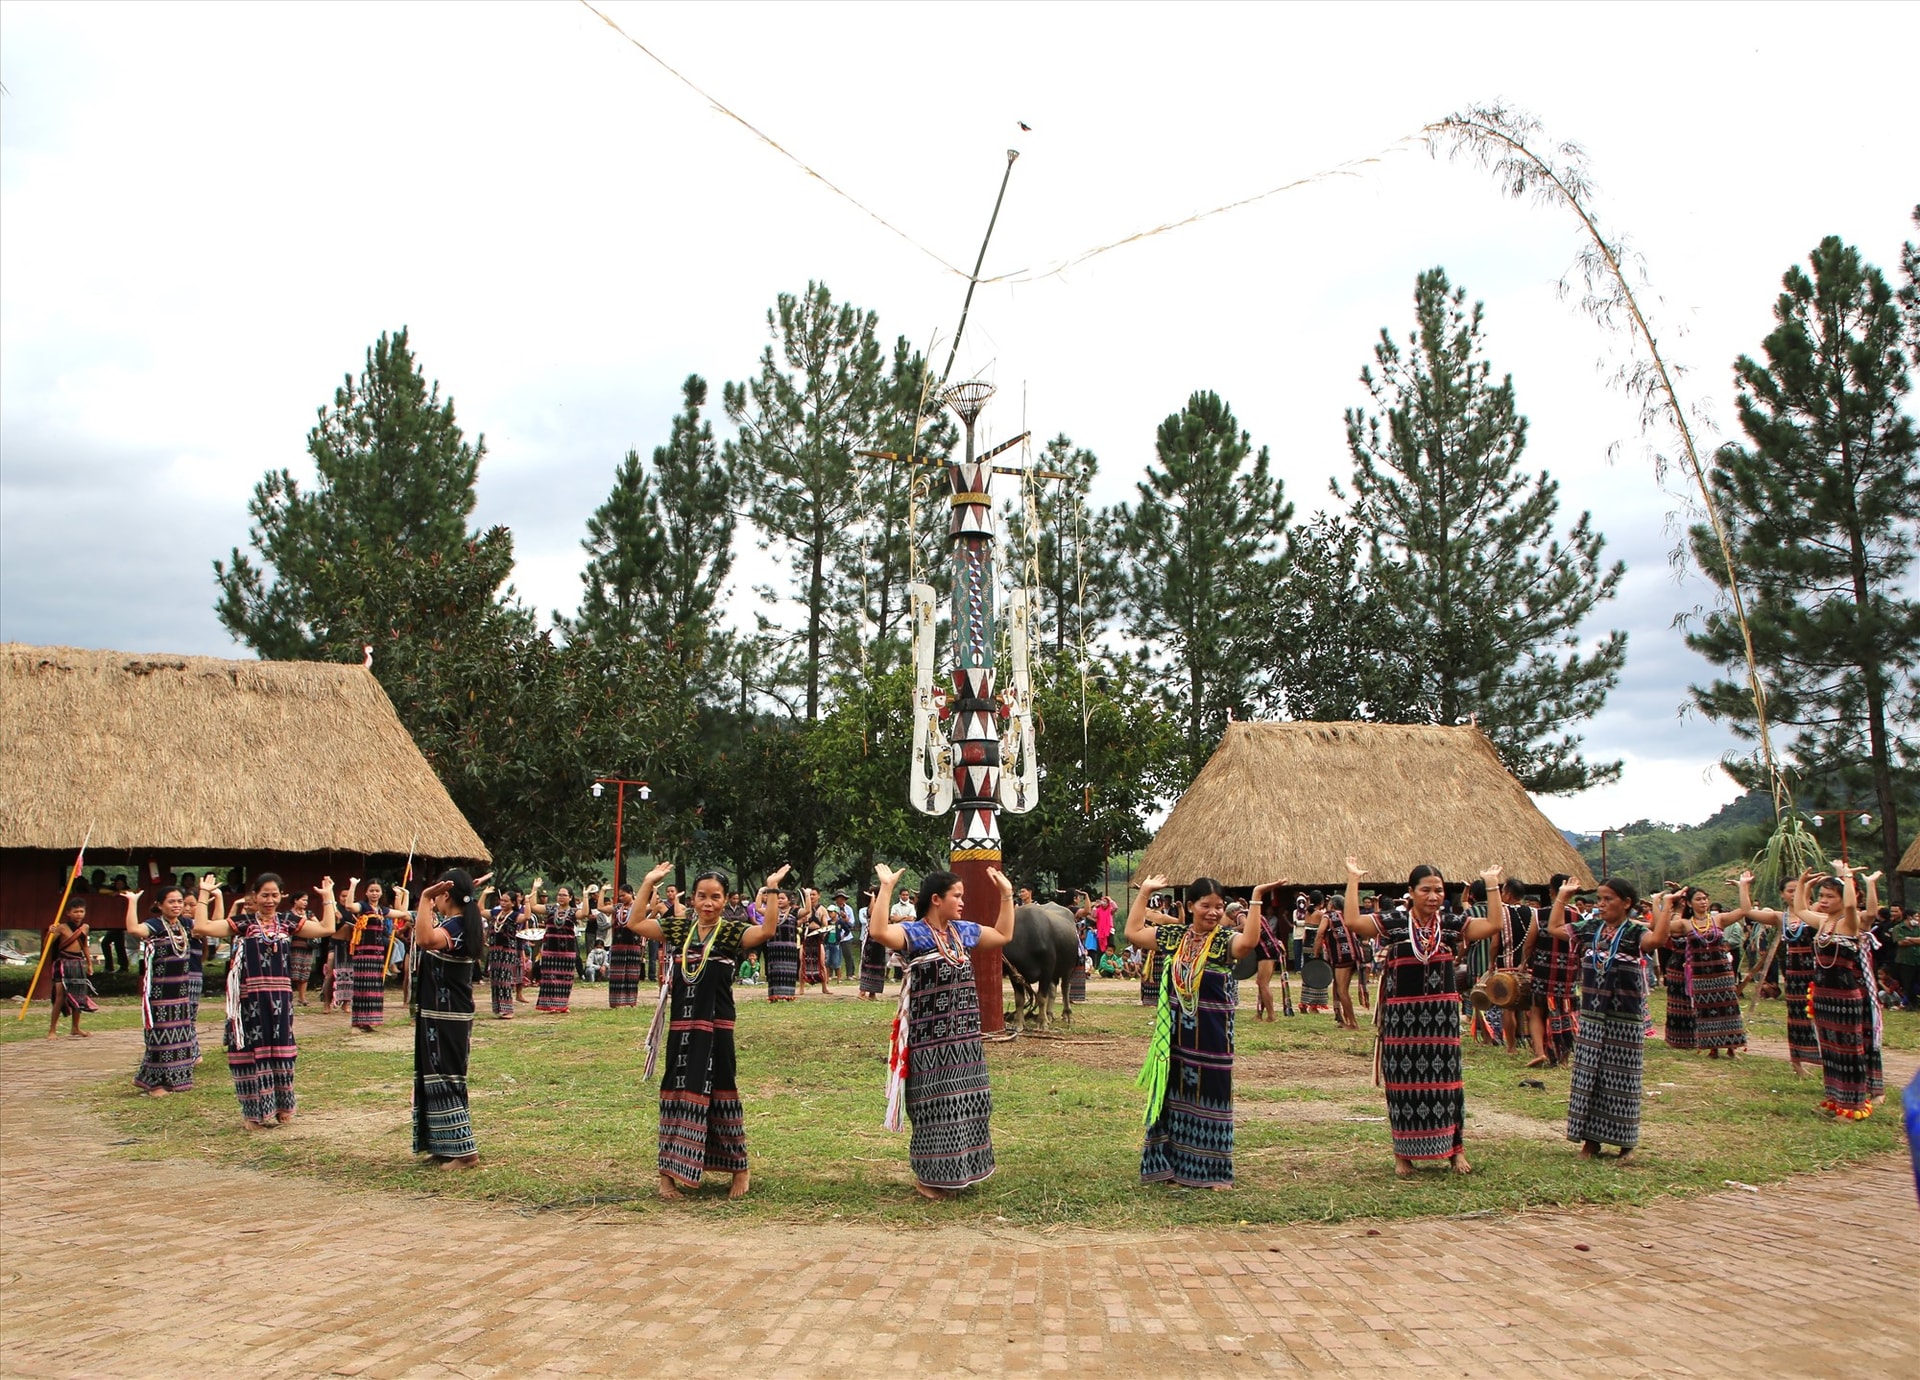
170 999
936 1066
1419 1015
451 934
1609 1052
702 1126
1189 1070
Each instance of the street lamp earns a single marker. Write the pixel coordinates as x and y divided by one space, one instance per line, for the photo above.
619 784
1841 813
1603 849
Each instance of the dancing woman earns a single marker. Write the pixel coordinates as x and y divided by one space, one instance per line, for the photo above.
702 1126
1276 929
170 999
504 970
259 1034
560 950
1189 1070
873 957
1845 1011
783 950
1555 966
372 936
936 1066
816 934
1797 931
1706 972
627 962
72 970
1609 1053
451 935
1335 944
1419 1013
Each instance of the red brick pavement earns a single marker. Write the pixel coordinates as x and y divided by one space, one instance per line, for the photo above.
193 1271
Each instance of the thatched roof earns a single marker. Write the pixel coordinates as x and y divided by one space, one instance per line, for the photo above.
1910 860
1294 799
193 753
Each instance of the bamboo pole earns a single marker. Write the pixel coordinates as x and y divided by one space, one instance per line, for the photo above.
73 876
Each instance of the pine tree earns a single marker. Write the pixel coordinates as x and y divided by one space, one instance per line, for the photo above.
1463 550
1204 552
396 477
800 421
1823 509
626 553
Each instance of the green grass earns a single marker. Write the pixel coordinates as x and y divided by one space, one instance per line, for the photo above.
564 1121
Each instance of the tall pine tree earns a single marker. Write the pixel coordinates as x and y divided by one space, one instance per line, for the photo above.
395 477
1823 509
801 419
1205 550
1464 552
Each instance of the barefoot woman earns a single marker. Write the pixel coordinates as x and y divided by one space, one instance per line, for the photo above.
1420 1011
936 1067
1189 1069
702 1125
1609 1052
451 933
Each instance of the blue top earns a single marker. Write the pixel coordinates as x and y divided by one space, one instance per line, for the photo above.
920 934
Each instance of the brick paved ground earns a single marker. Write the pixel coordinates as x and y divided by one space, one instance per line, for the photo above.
111 1268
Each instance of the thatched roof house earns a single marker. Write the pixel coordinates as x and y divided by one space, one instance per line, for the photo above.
298 767
1910 860
1294 799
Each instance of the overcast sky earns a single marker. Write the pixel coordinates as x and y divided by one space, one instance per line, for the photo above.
207 213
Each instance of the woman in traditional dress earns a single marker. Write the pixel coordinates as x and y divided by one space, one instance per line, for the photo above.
1841 993
873 957
1189 1070
371 941
1796 968
1609 1054
451 935
1276 928
1335 943
1317 998
503 956
783 949
339 951
1698 938
702 1125
936 1066
627 961
72 965
1555 966
816 933
1419 1015
259 1034
1679 1032
169 1004
559 957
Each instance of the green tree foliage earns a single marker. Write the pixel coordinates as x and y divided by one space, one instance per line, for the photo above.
1204 554
801 419
1340 648
1463 549
395 479
856 761
1823 509
1098 783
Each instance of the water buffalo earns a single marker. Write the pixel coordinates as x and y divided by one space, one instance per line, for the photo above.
1040 957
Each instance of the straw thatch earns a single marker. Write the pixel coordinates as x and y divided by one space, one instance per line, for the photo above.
1294 799
1910 861
181 753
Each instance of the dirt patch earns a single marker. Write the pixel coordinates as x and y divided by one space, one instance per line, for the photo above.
356 1126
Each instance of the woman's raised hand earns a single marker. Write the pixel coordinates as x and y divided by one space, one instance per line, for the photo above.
1000 880
1265 887
1491 876
1569 889
1354 869
659 870
778 875
1153 881
324 887
888 875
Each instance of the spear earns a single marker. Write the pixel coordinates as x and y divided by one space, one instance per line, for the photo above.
406 882
47 948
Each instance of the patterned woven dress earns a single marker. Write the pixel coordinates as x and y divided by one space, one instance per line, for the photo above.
783 961
340 967
1844 1021
503 960
1190 1141
1420 1036
259 1031
626 964
370 969
948 1096
1556 991
75 996
702 1126
442 1042
1609 1056
873 967
559 952
171 1005
1796 977
1713 990
1679 1031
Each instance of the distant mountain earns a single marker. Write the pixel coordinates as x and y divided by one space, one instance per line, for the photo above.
1650 853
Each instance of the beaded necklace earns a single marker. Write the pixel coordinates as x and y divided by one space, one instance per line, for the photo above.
1599 940
692 975
1189 964
1424 940
949 945
175 936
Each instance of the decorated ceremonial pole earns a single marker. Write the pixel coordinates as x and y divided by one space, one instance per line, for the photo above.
79 859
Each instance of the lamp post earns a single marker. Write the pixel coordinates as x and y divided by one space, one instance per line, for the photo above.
619 784
1840 813
1603 849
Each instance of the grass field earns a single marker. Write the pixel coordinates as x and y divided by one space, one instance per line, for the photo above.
564 1121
